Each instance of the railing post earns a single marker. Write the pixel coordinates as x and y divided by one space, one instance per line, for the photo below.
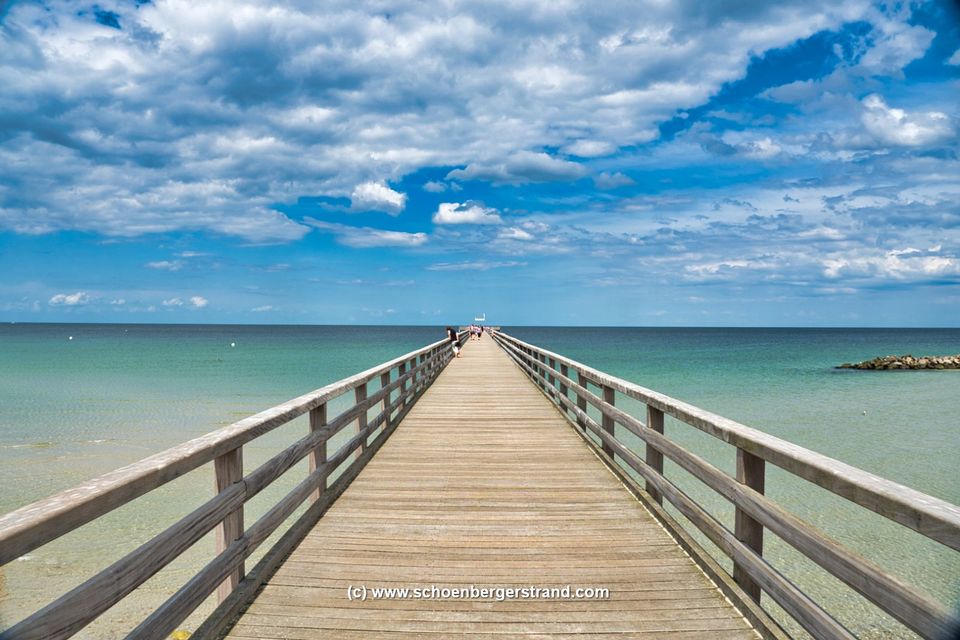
318 456
581 400
541 360
384 383
750 471
607 422
654 457
227 470
359 395
402 371
564 390
553 366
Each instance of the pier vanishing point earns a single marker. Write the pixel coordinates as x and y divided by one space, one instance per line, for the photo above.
511 467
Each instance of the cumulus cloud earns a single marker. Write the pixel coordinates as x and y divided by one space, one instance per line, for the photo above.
898 127
368 237
70 299
199 302
378 196
899 264
435 187
467 213
172 302
515 233
954 60
109 124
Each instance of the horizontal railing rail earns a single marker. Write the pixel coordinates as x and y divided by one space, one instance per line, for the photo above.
401 382
567 383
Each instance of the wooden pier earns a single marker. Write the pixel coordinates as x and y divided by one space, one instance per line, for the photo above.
502 469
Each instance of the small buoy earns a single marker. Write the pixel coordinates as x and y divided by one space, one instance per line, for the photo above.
70 338
864 412
233 344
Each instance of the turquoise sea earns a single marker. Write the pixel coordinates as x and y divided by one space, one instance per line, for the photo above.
71 409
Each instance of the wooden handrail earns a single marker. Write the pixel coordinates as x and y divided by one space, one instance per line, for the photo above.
754 511
36 524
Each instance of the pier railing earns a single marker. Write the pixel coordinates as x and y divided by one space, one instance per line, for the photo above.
401 382
573 386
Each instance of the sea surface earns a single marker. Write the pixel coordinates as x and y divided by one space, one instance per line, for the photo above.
79 400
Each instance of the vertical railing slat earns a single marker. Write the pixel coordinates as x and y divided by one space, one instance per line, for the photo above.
609 397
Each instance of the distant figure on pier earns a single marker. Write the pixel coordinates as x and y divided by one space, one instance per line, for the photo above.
454 342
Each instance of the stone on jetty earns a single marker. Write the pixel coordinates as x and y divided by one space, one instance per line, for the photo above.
887 363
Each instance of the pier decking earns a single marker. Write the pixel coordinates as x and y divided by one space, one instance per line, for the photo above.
486 484
510 467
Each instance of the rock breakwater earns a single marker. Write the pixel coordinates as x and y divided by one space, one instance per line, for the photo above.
888 363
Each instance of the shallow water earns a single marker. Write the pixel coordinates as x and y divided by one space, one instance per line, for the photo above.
73 409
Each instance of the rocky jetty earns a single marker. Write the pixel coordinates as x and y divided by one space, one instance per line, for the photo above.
887 363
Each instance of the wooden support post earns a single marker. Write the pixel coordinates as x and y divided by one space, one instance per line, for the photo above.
227 470
384 382
317 457
402 371
607 423
541 368
654 457
750 471
564 390
581 401
360 394
553 367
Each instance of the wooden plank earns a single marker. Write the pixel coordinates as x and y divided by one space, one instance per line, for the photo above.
227 471
609 398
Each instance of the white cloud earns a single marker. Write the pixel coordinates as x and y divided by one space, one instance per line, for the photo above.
70 299
199 302
263 308
589 148
898 127
479 265
899 264
368 237
612 180
515 233
954 60
165 265
172 302
435 187
466 213
118 302
377 195
520 168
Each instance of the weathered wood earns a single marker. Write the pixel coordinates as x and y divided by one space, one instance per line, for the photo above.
33 525
564 390
581 398
552 365
908 604
318 455
930 516
750 471
227 471
384 382
609 398
654 457
360 394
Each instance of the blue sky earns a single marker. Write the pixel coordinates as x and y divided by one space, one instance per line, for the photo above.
544 162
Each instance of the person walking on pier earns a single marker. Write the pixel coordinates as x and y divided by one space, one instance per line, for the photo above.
454 341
